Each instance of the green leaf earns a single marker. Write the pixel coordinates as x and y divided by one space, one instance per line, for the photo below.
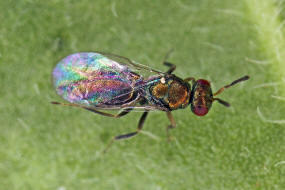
51 147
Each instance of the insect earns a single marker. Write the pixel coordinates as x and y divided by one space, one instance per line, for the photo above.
98 81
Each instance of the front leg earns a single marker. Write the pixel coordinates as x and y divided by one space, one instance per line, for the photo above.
171 126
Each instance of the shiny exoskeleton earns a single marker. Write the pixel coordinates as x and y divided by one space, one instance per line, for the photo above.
169 92
96 81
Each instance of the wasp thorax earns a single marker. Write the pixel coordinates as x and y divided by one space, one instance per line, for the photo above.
160 90
178 95
172 92
201 97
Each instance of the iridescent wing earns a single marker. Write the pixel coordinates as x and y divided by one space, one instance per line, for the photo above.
143 70
100 80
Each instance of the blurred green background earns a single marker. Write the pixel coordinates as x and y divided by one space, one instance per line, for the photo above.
43 146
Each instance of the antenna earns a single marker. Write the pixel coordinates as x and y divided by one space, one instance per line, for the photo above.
228 86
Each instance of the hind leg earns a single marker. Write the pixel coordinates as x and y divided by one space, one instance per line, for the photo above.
129 135
120 114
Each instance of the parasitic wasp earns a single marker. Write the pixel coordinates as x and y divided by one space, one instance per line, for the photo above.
98 81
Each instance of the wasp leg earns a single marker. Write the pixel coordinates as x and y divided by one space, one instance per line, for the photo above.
171 66
171 126
120 114
128 135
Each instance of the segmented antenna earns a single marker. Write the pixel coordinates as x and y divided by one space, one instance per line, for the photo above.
228 86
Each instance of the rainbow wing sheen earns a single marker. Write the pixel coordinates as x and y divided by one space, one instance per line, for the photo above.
92 79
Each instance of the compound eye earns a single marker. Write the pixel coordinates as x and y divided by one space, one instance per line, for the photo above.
200 110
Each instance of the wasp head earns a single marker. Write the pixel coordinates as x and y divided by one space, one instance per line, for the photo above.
202 97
